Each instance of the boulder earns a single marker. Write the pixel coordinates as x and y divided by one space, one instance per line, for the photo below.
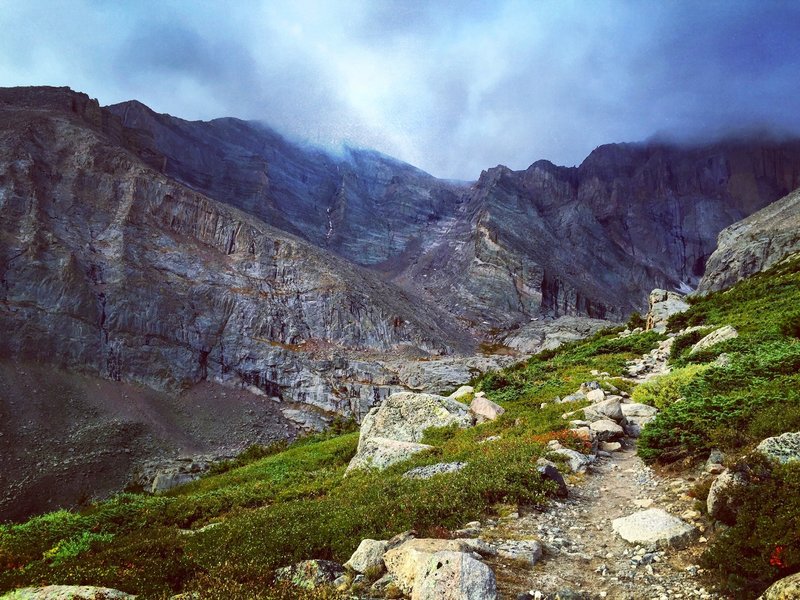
607 409
464 394
634 409
607 430
369 554
67 592
596 395
379 453
787 588
662 305
783 448
454 576
403 418
548 470
715 337
429 471
310 574
576 397
577 462
406 560
485 410
654 527
718 502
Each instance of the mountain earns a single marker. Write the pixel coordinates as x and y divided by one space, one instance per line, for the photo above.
115 271
160 279
592 240
754 244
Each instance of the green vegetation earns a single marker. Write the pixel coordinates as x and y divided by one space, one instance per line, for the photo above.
664 391
763 544
736 403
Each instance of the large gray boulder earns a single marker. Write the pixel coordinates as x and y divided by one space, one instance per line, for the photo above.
454 576
67 592
392 431
406 561
662 305
654 527
380 453
783 448
369 554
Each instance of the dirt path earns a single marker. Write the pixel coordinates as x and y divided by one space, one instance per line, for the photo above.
584 558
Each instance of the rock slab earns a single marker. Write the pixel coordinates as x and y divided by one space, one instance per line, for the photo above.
654 527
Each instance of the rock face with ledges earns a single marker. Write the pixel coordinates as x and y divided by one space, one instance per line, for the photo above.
754 244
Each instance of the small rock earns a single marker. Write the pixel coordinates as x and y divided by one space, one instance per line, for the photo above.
369 554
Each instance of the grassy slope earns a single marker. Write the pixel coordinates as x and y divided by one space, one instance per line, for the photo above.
296 504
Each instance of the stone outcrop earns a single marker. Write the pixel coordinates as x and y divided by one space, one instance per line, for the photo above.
429 471
715 337
662 305
392 431
454 576
782 448
754 244
368 555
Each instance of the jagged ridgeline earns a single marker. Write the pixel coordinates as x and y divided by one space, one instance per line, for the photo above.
225 535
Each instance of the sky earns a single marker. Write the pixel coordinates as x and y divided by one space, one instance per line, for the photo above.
453 87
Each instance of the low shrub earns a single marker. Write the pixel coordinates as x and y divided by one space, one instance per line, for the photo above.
666 389
763 545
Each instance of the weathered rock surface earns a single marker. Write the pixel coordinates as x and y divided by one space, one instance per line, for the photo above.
606 430
429 471
369 554
754 244
67 592
787 588
783 448
605 409
549 334
454 576
664 304
719 504
406 561
310 574
485 410
717 336
654 527
379 453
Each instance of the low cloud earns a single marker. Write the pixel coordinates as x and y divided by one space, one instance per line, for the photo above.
452 87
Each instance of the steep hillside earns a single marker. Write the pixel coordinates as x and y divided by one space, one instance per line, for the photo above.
754 244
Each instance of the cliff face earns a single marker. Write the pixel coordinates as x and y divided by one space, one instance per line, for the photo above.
112 268
591 240
754 244
362 205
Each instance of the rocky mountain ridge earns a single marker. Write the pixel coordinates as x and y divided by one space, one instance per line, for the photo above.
591 240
